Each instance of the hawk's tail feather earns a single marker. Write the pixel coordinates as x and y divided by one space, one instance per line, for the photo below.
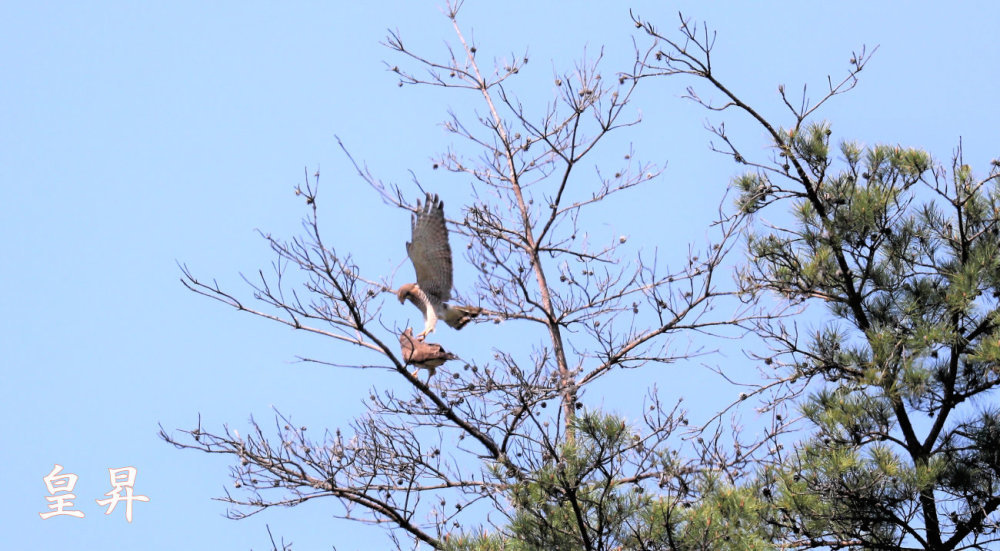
458 316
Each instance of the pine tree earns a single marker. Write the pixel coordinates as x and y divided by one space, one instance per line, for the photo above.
897 377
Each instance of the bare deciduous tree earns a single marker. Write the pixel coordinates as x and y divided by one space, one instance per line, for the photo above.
480 433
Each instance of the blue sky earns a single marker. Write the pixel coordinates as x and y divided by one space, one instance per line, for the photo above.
136 135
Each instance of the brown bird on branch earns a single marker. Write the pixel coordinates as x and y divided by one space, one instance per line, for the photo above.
425 355
431 257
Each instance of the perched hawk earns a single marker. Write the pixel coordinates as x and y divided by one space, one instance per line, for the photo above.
426 355
431 257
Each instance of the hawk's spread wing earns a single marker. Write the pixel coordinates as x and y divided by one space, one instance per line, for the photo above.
429 250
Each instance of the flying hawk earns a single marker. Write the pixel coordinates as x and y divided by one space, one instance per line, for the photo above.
425 355
431 257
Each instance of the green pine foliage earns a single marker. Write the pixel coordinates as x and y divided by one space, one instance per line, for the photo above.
904 254
582 486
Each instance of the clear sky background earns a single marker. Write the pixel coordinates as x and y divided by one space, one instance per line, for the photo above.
136 135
